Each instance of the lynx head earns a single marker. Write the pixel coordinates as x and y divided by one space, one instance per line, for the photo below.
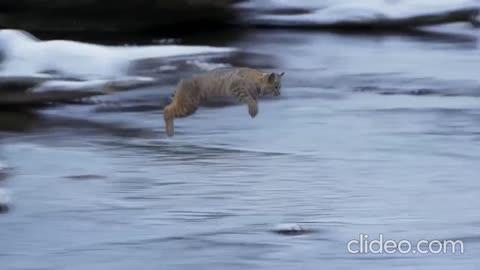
271 84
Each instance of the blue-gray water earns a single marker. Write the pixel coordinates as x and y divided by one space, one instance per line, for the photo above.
373 134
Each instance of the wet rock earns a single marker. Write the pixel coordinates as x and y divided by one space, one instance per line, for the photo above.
5 201
13 84
3 170
291 229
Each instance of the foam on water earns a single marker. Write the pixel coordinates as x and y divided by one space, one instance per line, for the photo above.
25 55
93 85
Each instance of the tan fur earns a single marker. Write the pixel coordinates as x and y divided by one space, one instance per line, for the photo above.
245 84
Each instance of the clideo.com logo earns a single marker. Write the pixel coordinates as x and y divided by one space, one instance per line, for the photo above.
366 245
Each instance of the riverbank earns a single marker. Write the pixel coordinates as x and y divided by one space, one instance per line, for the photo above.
113 16
190 16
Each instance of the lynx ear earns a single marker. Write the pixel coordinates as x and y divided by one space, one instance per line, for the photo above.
271 77
281 74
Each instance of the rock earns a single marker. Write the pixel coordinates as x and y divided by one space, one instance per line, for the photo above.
3 170
5 200
290 229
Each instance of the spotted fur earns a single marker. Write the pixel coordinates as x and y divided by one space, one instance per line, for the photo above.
244 84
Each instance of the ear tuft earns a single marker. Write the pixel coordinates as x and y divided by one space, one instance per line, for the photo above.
281 74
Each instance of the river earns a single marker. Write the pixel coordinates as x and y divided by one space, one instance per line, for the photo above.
372 134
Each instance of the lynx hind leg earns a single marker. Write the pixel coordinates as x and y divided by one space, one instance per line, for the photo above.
177 111
185 103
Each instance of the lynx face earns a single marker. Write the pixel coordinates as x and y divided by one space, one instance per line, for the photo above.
271 84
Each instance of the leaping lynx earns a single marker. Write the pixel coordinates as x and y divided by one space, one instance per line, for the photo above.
245 84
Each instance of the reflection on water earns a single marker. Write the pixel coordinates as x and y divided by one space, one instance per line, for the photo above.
374 134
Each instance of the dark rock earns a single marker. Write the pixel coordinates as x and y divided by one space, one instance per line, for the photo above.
4 201
3 208
291 229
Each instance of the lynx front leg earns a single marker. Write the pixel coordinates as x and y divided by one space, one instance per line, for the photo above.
246 93
252 108
169 116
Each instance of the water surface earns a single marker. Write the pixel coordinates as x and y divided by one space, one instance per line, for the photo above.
373 134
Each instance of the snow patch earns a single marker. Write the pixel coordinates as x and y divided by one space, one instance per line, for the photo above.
340 11
205 65
25 55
